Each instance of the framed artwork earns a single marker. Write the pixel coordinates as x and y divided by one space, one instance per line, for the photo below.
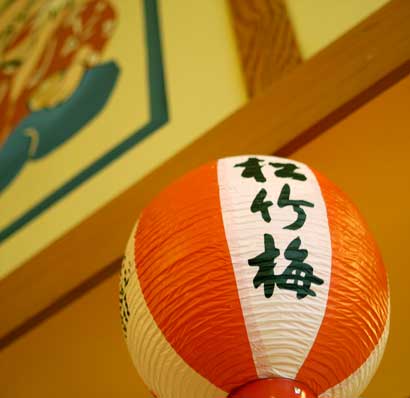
84 84
80 90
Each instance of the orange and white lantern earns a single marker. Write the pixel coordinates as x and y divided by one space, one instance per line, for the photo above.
252 268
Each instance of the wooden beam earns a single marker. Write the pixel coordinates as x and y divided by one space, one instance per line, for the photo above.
266 42
306 101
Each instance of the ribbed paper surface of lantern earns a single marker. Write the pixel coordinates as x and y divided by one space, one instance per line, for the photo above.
249 268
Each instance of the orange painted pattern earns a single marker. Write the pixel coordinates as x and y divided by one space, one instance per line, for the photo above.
186 275
357 306
91 33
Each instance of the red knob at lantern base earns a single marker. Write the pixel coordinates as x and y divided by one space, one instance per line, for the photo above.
273 388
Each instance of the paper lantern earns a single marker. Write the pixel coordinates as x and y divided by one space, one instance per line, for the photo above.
252 268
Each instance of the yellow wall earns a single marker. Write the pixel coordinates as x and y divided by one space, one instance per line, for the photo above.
80 352
319 22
